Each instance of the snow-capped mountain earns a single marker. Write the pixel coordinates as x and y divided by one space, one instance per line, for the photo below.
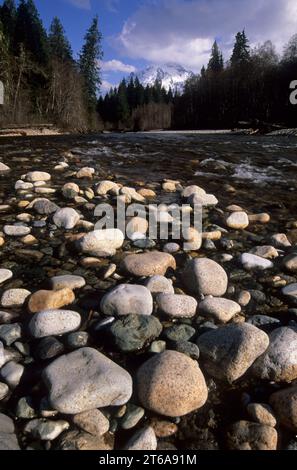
172 76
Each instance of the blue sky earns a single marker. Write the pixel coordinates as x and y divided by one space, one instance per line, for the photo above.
139 32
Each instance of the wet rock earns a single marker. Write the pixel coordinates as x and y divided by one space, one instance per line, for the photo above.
144 439
70 190
77 340
267 252
45 430
75 440
44 206
132 416
159 285
84 380
47 300
16 230
236 346
177 306
171 384
8 439
94 422
178 333
238 221
48 348
244 435
5 275
149 264
134 332
54 323
262 414
187 348
284 404
206 277
11 373
66 218
14 297
252 262
67 282
10 333
219 309
127 299
34 176
279 362
101 242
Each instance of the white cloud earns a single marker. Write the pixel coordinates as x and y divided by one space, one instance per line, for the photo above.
183 30
117 66
106 86
83 4
112 5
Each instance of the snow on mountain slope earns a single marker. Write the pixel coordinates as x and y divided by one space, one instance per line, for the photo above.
172 76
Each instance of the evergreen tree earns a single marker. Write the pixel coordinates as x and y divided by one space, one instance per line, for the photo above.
123 111
59 45
290 51
30 32
241 51
89 59
216 63
8 18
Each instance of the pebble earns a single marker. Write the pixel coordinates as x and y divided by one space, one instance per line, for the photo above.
21 185
44 207
245 435
16 230
25 408
105 187
94 422
204 200
259 218
83 441
171 248
252 262
280 240
219 309
8 439
70 190
190 190
4 167
14 297
290 292
78 339
54 323
193 239
147 193
2 241
132 416
238 221
262 414
163 428
48 348
267 252
47 300
66 218
10 333
45 430
127 299
204 276
284 404
187 348
4 390
177 333
279 362
244 298
84 380
101 242
159 285
177 306
85 172
171 384
11 373
236 346
148 264
157 347
263 321
137 225
290 263
34 176
5 275
144 439
134 332
67 282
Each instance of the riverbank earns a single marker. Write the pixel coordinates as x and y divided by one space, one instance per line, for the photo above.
214 313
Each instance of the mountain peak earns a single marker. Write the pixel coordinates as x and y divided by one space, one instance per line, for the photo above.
171 75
